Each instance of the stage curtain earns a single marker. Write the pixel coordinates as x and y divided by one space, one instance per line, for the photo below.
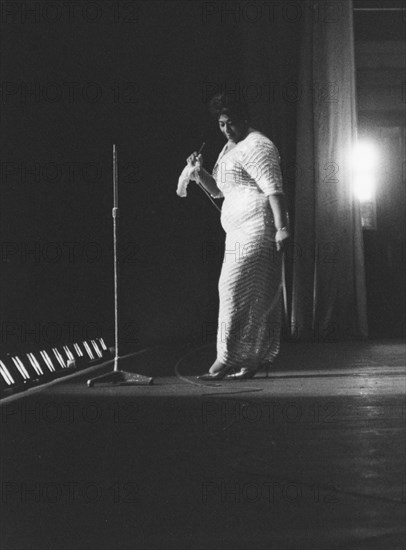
328 287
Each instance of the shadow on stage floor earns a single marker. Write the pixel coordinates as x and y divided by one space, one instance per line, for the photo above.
311 458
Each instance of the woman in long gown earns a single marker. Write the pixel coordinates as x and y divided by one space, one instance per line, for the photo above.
247 174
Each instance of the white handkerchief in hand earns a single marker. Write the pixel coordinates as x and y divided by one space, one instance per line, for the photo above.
186 175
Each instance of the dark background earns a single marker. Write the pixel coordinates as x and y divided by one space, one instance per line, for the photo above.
140 74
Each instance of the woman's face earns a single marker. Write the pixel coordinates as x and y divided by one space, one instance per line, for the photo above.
234 130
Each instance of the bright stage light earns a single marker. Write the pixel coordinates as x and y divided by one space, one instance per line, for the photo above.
365 158
364 187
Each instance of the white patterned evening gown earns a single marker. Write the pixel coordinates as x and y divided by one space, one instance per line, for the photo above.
249 320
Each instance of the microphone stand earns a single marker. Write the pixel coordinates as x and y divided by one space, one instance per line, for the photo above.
118 376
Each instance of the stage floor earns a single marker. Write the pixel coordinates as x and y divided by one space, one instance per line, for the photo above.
311 458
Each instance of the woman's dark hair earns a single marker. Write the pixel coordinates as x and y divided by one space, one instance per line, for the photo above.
227 104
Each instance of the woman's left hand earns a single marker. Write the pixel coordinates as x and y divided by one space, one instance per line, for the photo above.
281 238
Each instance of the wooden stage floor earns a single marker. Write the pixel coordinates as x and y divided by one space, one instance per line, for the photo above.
311 458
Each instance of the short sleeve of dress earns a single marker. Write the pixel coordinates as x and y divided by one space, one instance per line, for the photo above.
214 174
262 162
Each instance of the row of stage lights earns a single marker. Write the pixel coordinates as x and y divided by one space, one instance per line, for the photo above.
18 372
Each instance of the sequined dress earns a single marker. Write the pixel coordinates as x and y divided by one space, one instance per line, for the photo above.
250 292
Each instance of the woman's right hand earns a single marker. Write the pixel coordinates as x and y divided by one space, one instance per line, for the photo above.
195 160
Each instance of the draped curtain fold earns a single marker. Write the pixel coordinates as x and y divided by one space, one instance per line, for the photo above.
310 113
328 289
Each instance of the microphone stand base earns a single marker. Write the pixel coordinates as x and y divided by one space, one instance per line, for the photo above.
121 378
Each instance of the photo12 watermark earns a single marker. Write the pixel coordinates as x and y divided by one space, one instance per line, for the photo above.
47 333
231 491
71 412
28 12
227 12
270 92
35 92
50 172
68 492
216 412
66 252
51 252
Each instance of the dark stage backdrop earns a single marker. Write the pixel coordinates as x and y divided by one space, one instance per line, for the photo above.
77 79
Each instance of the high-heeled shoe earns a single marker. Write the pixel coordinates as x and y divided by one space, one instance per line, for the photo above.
246 373
243 374
227 372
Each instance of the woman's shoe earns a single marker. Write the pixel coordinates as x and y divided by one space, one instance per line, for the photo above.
243 374
219 375
246 373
